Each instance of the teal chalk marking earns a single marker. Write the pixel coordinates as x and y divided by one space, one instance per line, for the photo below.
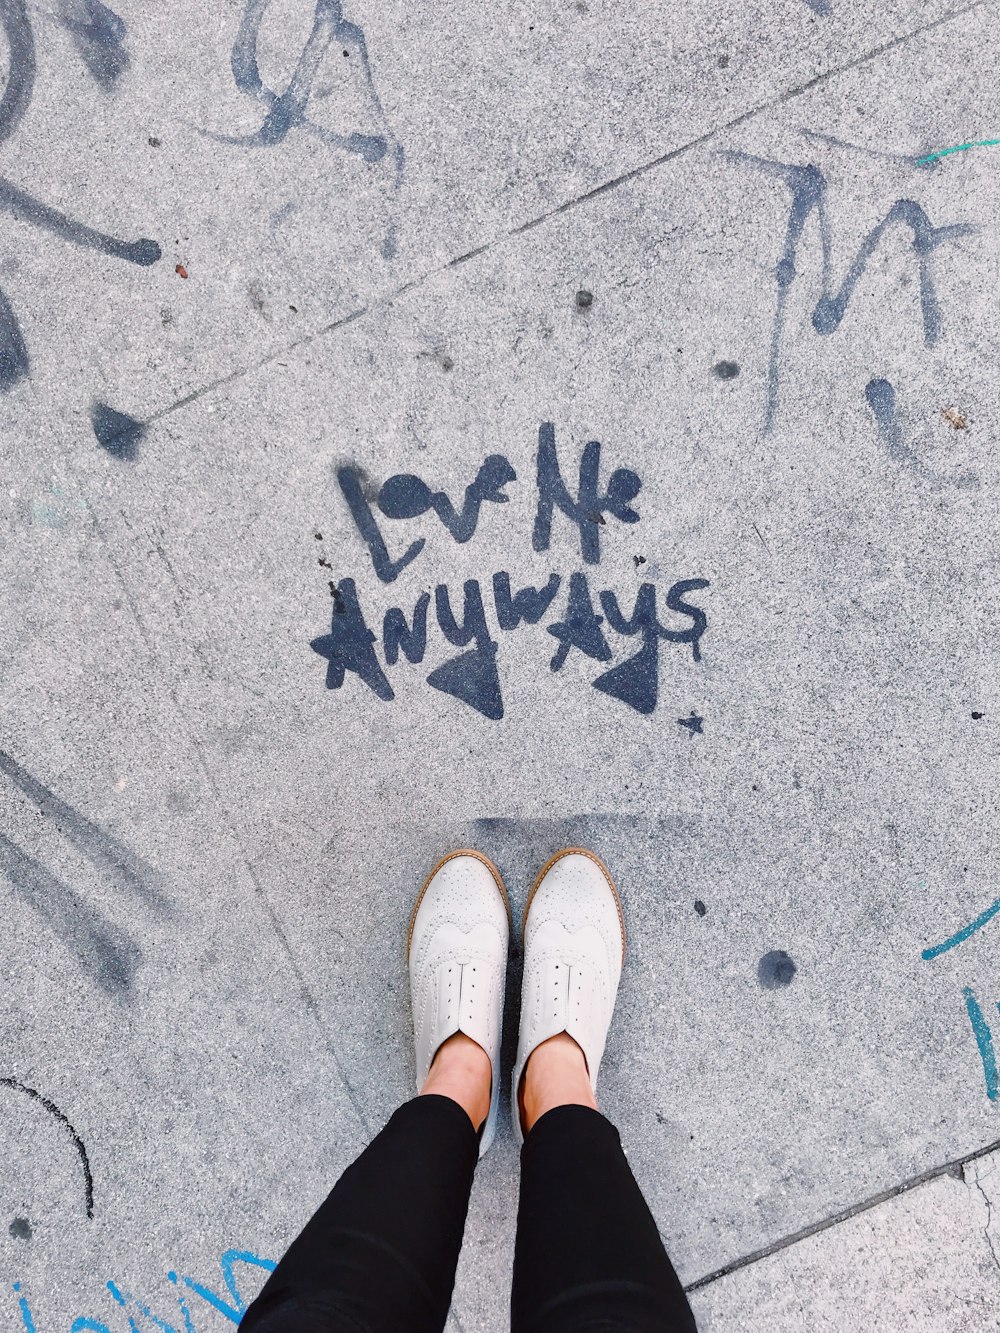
984 1040
958 148
962 935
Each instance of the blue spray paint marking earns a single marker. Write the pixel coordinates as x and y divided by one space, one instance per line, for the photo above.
125 1298
234 1312
821 7
411 638
289 110
232 1304
98 34
879 154
984 1040
580 627
385 567
122 1300
636 680
960 936
527 604
881 398
406 496
808 186
188 1322
117 432
350 646
26 1316
21 66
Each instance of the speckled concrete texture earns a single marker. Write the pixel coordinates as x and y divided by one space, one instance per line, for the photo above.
552 425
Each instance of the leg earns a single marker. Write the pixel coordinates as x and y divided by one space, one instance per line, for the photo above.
588 1257
380 1253
588 1254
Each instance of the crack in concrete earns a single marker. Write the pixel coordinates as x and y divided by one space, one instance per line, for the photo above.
978 1184
596 192
955 1168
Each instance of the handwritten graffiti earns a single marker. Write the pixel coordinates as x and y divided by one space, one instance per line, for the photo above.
808 188
881 398
231 1302
407 497
18 204
331 33
473 676
33 1095
104 948
99 37
977 1019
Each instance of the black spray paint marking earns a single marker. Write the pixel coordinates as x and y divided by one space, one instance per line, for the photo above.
588 509
20 1229
117 432
406 497
725 370
694 724
103 948
14 364
775 969
879 154
881 398
807 185
101 848
472 677
78 1144
19 205
23 208
99 35
700 907
636 680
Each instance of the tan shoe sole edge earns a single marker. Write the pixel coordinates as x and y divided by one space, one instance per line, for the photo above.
576 851
462 851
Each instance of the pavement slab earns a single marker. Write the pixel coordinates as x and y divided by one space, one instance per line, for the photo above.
423 430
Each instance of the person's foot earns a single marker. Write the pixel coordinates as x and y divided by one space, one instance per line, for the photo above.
457 952
574 946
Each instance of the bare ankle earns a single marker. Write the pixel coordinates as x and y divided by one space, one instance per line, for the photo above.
555 1075
461 1070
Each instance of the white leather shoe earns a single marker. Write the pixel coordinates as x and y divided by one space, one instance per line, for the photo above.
574 947
457 951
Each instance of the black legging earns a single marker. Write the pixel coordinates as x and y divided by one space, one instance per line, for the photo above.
380 1254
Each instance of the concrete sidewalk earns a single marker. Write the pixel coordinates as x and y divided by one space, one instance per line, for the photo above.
325 335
